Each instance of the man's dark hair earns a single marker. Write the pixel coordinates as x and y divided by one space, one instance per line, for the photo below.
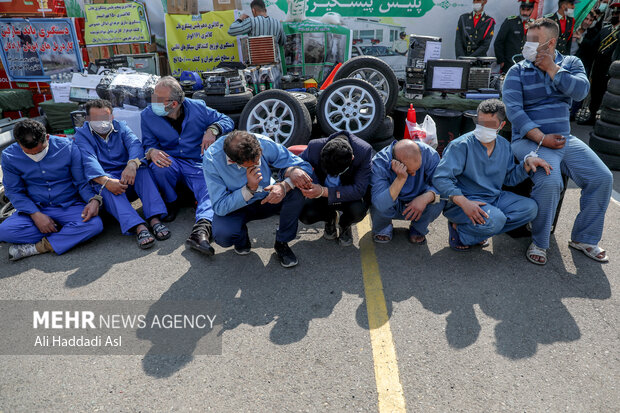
493 107
547 24
242 146
29 133
258 4
336 155
98 104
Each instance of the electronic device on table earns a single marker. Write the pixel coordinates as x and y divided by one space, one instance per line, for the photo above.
421 49
447 76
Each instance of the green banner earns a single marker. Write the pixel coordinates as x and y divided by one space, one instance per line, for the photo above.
117 23
313 48
375 8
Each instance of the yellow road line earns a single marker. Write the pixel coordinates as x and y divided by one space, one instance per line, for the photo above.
389 388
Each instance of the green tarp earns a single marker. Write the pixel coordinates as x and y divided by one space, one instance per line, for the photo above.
15 99
58 115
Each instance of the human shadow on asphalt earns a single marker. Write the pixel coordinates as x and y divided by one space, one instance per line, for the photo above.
525 299
258 293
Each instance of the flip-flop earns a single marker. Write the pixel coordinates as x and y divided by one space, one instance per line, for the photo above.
595 250
415 233
142 235
161 228
382 241
533 249
455 241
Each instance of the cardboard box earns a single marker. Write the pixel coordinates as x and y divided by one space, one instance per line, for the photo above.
221 5
183 6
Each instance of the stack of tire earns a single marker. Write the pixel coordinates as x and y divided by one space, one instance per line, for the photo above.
361 100
605 140
231 105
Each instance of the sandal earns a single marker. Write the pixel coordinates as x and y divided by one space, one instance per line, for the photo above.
141 236
160 228
484 243
415 233
384 240
592 251
455 241
534 251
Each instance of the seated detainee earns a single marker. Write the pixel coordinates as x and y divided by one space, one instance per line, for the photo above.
43 177
111 157
341 165
175 133
471 173
401 188
538 93
238 174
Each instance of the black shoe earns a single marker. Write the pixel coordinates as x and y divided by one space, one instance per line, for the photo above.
173 211
346 237
245 249
330 227
200 237
285 255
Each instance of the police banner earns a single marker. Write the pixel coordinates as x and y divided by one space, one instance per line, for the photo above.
119 23
200 42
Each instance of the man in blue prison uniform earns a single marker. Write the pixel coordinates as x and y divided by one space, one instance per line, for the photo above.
175 133
44 180
471 174
238 174
111 156
401 188
538 93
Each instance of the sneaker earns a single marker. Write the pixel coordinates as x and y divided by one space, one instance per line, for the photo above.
245 249
331 227
285 254
19 251
346 237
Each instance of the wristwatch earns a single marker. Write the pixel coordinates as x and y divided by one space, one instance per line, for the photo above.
214 129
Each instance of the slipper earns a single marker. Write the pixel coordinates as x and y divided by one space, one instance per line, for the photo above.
534 250
382 241
484 243
161 228
594 250
455 241
142 235
415 233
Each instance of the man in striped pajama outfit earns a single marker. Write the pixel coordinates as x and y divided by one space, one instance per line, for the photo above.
259 25
538 93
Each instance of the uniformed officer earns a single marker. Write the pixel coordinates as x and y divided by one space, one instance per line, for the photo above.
474 32
609 39
565 19
511 36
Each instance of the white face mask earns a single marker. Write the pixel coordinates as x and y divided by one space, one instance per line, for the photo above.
477 7
569 13
530 50
102 127
484 134
38 156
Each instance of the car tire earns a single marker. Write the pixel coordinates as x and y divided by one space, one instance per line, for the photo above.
612 161
235 118
308 100
614 69
6 208
604 145
386 130
607 130
611 101
376 72
341 105
377 146
613 86
278 115
224 103
610 116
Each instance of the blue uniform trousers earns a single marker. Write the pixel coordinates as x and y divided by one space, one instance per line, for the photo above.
20 229
382 220
120 205
585 168
231 229
508 212
190 172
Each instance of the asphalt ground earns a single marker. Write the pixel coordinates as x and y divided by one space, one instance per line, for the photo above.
377 327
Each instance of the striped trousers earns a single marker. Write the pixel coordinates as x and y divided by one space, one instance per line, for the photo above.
584 167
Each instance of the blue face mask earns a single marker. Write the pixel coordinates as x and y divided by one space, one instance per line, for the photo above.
159 109
602 7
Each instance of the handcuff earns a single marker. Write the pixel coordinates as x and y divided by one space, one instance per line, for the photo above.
534 154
